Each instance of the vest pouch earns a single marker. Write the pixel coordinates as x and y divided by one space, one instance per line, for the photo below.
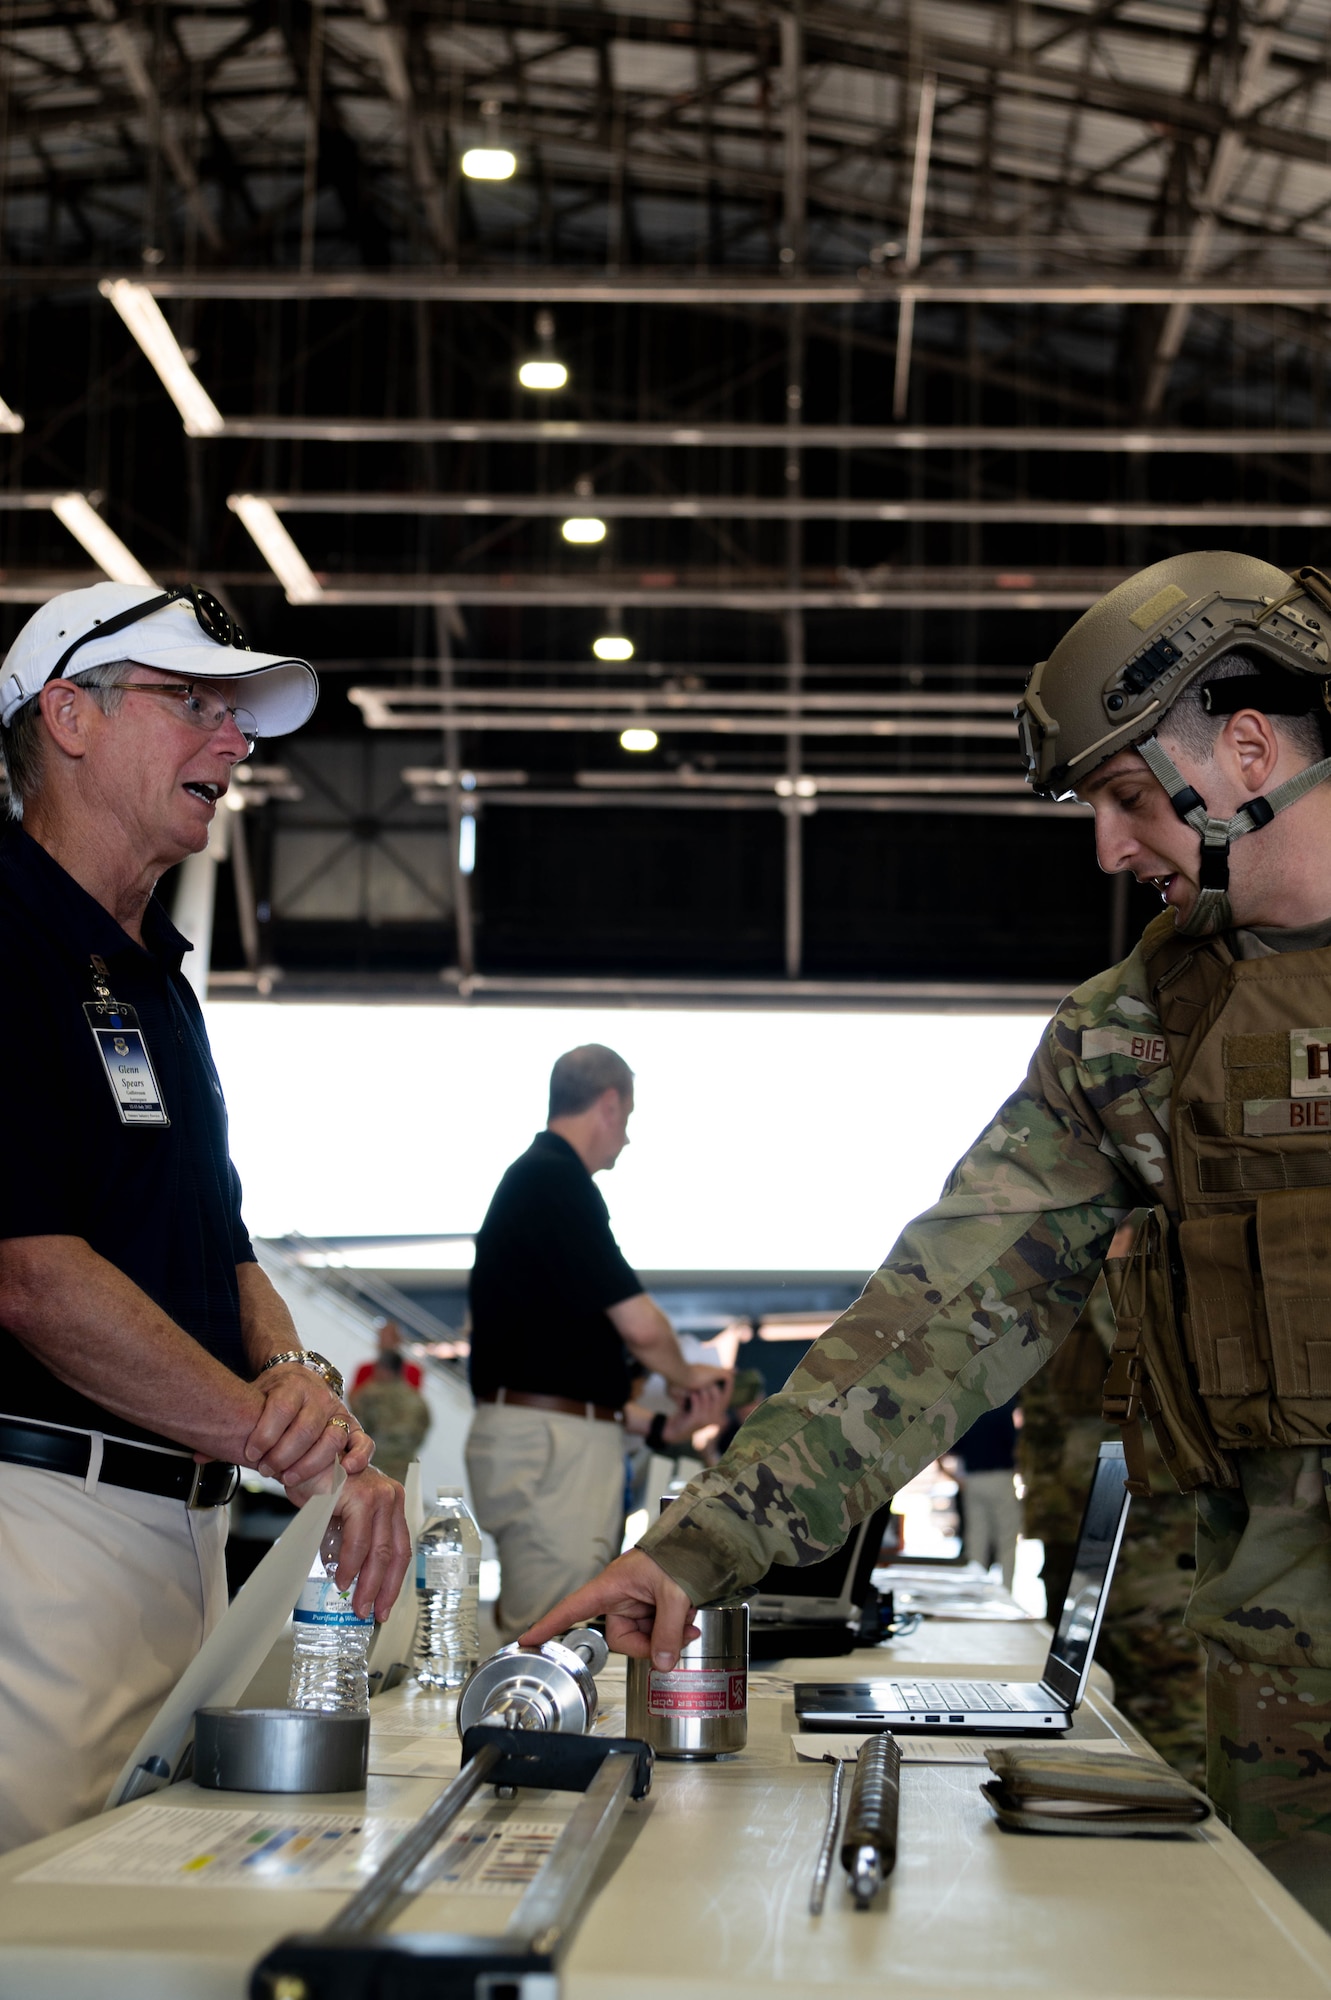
1147 1373
1294 1245
1224 1304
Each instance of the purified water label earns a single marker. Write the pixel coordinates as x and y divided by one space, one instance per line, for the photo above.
322 1603
709 1691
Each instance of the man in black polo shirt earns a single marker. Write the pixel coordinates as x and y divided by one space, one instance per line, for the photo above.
142 1351
560 1325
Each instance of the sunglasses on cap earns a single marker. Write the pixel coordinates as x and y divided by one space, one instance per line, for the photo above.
214 622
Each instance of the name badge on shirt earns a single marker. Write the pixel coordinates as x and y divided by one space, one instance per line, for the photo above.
128 1065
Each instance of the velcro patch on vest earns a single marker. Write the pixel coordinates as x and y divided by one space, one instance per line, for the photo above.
1310 1062
1138 1047
1266 1116
1255 1066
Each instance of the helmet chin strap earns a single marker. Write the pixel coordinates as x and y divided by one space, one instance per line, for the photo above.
1212 912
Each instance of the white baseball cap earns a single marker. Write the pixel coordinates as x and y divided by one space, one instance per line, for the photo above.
183 631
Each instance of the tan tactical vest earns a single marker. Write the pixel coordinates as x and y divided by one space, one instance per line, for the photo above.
1223 1308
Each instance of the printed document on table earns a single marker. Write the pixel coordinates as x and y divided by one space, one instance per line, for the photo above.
157 1846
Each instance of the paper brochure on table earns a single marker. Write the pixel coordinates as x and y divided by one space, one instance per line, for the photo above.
163 1847
964 1592
157 1847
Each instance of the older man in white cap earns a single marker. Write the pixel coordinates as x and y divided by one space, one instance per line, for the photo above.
143 1354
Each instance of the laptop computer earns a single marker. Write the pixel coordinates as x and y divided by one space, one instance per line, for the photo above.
994 1707
817 1609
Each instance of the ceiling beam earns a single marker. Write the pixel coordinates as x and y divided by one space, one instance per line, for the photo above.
1142 439
1226 159
543 286
940 590
740 506
418 708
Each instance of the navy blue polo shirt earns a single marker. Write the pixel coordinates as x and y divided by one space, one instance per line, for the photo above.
547 1266
160 1203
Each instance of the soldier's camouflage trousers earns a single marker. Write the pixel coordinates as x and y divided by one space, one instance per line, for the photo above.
1268 1767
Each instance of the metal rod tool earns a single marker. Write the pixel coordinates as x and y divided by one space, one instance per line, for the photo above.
353 1958
823 1865
869 1843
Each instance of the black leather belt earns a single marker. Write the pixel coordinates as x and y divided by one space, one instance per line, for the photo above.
131 1465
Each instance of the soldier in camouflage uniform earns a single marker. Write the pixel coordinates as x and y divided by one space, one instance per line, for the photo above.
1156 1664
1182 708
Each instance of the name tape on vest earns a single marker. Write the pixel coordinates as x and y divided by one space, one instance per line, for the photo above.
1273 1115
1310 1062
1137 1047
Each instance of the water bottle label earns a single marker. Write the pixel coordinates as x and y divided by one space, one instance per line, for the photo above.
322 1603
444 1570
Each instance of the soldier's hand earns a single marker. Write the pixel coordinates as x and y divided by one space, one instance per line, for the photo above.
646 1615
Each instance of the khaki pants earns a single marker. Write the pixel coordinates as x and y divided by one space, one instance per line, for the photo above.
105 1597
993 1520
550 1489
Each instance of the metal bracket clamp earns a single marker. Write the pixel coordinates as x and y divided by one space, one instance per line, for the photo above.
350 1960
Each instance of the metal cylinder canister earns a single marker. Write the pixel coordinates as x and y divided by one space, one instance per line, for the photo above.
700 1708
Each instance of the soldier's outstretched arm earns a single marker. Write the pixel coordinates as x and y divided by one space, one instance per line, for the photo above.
971 1300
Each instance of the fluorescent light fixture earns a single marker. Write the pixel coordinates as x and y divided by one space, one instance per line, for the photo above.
612 647
467 843
583 528
146 321
276 547
543 375
638 739
105 547
10 420
488 163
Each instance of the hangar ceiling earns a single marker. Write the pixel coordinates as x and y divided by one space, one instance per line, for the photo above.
893 335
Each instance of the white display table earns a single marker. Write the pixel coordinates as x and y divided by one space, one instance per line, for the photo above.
706 1890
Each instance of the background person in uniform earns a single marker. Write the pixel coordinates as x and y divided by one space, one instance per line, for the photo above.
1189 708
143 1353
395 1414
388 1340
560 1325
991 1511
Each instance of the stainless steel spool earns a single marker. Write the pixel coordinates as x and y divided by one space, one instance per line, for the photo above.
280 1750
536 1687
700 1709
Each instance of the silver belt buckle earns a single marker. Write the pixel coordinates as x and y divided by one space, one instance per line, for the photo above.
196 1504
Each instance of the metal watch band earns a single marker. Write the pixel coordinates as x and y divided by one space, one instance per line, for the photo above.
307 1358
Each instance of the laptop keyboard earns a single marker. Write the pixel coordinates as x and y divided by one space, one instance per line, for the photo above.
953 1696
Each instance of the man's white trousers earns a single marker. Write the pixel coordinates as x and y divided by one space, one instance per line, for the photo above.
105 1597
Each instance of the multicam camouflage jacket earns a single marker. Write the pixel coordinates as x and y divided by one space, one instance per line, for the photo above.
970 1302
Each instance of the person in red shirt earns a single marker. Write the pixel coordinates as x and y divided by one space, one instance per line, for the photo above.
390 1342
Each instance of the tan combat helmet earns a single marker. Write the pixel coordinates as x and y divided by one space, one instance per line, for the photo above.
1108 684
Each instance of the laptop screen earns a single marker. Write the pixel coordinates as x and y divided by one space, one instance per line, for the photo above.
1069 1660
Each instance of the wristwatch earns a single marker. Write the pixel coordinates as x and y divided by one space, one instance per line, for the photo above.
307 1358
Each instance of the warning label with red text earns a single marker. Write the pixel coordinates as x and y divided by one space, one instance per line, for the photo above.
711 1691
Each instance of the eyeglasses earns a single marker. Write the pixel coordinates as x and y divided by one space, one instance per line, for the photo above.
213 620
203 710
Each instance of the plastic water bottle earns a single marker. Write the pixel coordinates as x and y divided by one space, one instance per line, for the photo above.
448 1593
328 1664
